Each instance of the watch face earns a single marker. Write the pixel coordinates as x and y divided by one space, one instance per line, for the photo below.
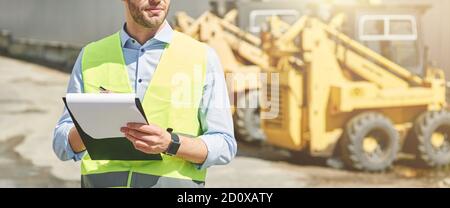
176 139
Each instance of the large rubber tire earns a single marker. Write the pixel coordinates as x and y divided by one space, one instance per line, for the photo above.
247 121
372 127
426 125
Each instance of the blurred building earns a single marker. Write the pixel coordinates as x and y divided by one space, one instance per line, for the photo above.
81 21
76 22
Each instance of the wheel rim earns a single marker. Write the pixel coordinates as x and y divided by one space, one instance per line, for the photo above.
440 140
376 145
250 115
253 118
437 140
370 144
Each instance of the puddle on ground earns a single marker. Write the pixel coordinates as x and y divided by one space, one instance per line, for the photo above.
17 172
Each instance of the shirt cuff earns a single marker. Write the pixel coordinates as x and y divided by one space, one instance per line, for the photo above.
75 156
219 152
68 153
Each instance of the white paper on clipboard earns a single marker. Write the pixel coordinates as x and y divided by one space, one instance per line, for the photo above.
102 115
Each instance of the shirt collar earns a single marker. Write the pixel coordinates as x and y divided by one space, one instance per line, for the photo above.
164 35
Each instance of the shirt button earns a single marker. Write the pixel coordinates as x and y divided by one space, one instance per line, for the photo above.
140 80
142 50
133 41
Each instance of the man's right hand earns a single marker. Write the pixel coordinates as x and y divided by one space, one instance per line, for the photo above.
75 141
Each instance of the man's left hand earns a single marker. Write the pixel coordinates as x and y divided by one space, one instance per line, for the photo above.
150 139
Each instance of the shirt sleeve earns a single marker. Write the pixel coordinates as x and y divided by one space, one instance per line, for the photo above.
215 116
61 145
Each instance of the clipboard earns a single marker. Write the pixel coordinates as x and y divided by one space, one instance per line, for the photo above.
119 148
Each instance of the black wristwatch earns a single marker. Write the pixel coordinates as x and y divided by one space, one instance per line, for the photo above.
174 144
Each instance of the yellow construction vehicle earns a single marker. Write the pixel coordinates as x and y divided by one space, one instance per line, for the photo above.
334 95
241 56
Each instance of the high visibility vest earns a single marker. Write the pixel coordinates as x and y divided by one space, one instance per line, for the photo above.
172 100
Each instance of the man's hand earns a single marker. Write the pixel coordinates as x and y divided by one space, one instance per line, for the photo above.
150 139
75 141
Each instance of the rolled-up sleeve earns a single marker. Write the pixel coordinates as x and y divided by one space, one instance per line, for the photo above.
61 145
215 116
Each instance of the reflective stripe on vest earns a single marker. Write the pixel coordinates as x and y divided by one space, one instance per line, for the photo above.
172 100
138 180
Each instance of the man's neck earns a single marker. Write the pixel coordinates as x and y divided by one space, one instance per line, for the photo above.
141 34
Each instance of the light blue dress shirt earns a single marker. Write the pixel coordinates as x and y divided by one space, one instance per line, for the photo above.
141 60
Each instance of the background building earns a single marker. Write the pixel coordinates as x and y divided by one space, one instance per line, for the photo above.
75 22
81 21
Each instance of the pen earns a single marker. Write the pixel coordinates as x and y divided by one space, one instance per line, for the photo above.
104 90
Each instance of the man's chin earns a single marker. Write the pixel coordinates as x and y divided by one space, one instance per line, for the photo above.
153 23
154 19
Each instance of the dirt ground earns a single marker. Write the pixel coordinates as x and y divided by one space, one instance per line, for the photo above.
30 104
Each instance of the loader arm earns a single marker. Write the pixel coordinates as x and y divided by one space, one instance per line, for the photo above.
208 27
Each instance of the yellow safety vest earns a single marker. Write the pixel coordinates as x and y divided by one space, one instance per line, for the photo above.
172 100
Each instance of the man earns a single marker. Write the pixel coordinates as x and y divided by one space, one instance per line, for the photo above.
146 57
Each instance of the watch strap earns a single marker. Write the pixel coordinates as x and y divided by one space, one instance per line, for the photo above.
174 144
